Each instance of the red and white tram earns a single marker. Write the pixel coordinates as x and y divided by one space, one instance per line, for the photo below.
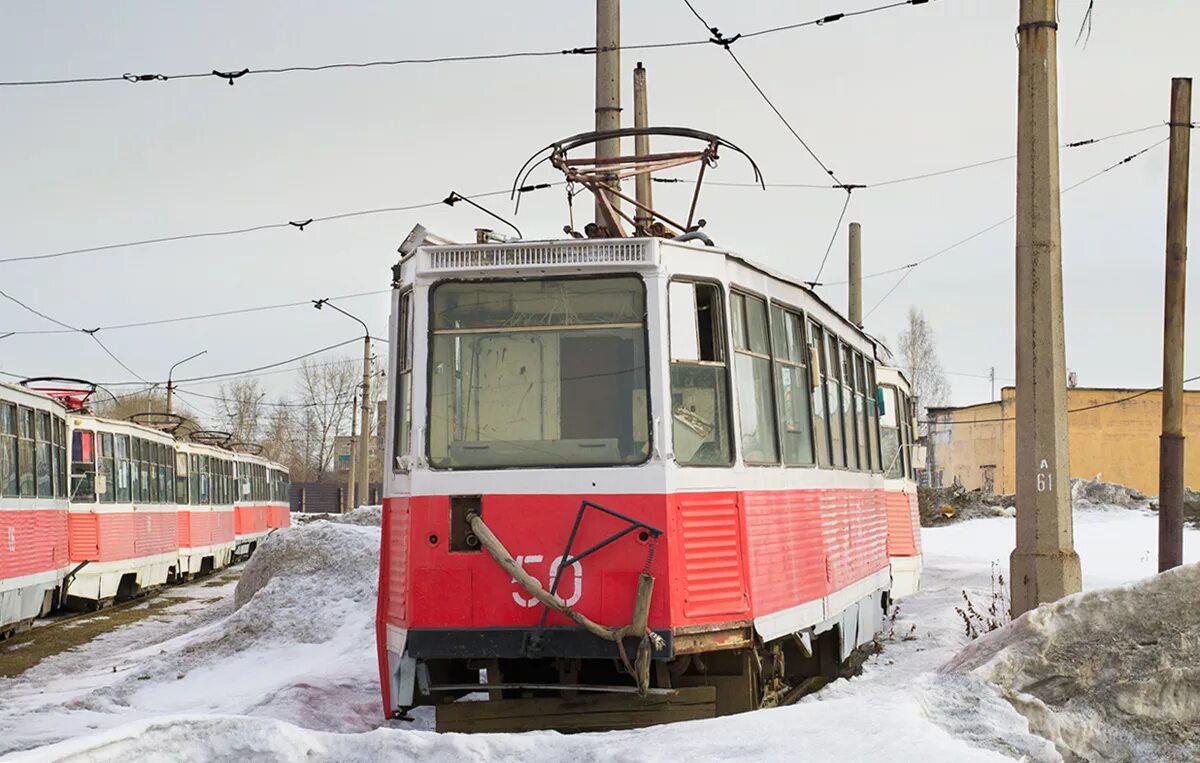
897 426
205 490
260 507
608 408
123 525
33 505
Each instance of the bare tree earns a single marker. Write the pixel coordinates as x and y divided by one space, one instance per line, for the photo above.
326 392
151 400
282 437
919 360
240 408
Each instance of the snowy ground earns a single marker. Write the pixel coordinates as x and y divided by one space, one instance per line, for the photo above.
291 674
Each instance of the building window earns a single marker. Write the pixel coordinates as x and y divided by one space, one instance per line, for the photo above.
699 379
752 370
792 385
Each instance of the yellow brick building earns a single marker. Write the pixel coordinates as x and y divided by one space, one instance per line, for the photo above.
1110 436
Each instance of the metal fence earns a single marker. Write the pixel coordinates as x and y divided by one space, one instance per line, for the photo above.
325 497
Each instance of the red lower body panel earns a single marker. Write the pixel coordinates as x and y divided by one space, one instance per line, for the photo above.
111 536
904 524
32 541
250 520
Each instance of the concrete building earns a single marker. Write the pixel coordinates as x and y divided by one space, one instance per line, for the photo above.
341 456
1111 434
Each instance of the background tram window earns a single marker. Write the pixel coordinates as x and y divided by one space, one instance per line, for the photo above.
889 433
25 457
44 455
205 497
152 458
8 450
906 435
816 354
135 470
849 416
872 418
792 387
83 466
861 418
107 467
699 381
752 371
124 473
181 477
56 484
832 365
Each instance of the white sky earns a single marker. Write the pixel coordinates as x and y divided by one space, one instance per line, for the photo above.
892 94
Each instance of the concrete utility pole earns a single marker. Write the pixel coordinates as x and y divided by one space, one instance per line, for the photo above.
1044 565
1170 452
855 276
351 473
608 87
364 428
641 147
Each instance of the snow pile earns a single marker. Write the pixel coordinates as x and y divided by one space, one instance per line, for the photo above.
1093 493
363 515
1108 675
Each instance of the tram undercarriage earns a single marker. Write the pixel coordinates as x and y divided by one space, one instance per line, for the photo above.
591 694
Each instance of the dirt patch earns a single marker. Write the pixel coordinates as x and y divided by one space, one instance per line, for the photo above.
23 651
943 505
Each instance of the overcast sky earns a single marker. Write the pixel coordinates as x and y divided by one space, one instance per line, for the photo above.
892 94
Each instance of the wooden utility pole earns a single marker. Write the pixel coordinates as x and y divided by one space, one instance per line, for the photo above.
641 147
608 88
1170 449
351 474
1044 565
364 428
855 277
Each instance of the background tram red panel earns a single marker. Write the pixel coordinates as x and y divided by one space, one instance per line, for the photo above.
903 519
32 541
125 535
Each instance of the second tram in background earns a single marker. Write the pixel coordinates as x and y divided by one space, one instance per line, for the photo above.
94 510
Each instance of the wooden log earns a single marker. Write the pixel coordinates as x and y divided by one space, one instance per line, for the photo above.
598 712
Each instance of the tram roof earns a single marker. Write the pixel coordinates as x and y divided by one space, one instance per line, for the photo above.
477 255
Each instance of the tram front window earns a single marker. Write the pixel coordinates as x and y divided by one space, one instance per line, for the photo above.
538 373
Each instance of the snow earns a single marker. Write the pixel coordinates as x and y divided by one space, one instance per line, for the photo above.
291 673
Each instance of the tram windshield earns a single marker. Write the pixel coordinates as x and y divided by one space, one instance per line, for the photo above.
545 372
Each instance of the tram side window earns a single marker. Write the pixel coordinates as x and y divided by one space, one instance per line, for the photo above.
205 497
83 466
872 417
402 422
820 406
181 477
56 461
8 450
124 477
135 470
752 370
152 458
906 435
44 454
699 380
60 448
25 452
889 433
849 423
792 386
862 421
106 468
